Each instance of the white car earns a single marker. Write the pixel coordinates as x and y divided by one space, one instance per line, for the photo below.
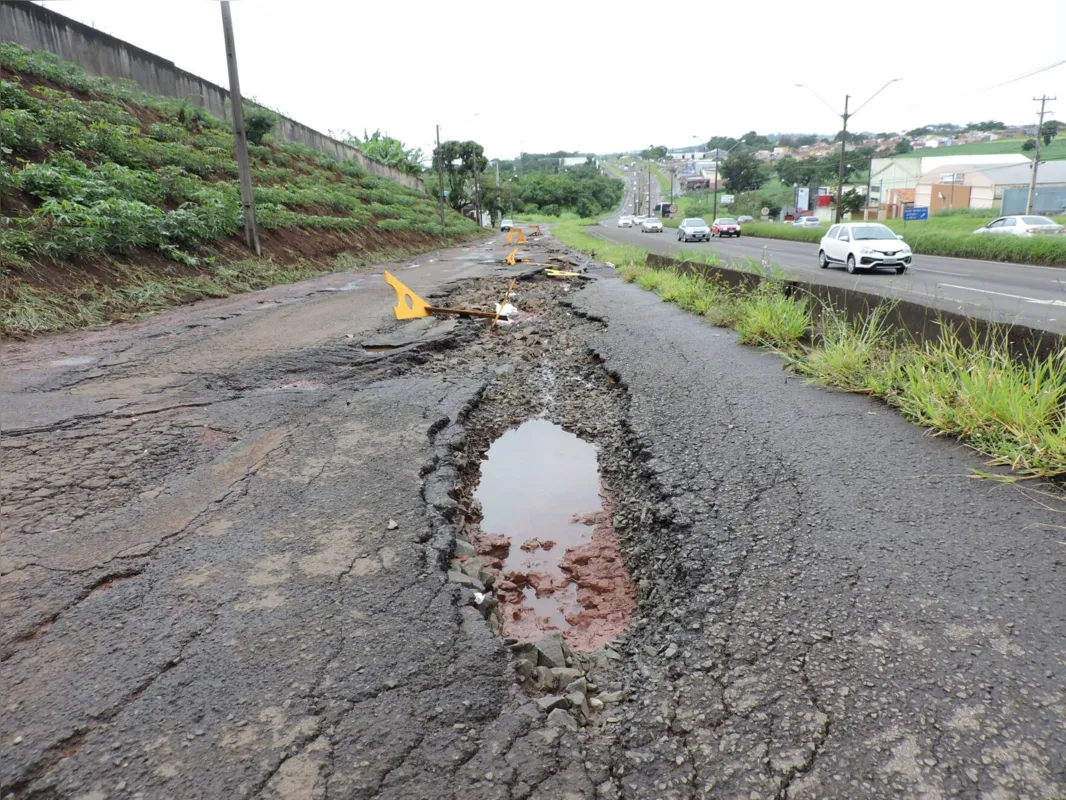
651 225
693 230
625 222
807 222
639 219
1022 226
506 225
864 245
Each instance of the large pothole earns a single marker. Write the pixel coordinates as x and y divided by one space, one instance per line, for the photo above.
545 534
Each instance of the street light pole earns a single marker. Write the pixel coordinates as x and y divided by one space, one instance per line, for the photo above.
714 213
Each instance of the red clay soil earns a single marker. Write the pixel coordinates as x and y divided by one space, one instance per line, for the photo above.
592 581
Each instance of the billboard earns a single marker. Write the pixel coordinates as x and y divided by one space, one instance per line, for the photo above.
803 197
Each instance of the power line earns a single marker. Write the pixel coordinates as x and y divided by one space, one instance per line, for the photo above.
1026 75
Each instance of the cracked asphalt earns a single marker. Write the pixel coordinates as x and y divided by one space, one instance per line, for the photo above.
226 531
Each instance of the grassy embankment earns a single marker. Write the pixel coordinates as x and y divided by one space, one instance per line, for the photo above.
947 234
115 204
1012 411
1052 152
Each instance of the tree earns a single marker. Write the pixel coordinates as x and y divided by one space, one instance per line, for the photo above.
806 140
904 146
987 125
1050 130
388 150
653 153
720 142
852 136
1029 144
257 124
463 162
917 133
741 171
786 140
852 201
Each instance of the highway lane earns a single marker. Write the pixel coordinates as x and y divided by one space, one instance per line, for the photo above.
1019 293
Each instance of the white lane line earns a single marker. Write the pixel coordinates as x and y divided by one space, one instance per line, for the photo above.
1004 294
942 272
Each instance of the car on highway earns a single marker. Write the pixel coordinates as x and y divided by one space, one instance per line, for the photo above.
864 245
1027 225
651 225
743 218
693 230
638 220
506 225
807 222
725 226
625 221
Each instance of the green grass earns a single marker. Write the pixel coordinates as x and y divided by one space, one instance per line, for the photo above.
1052 152
1011 410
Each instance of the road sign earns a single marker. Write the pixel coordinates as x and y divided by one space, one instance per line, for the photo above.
764 211
445 193
727 199
915 213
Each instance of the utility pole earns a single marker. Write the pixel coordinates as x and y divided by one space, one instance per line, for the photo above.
714 213
840 172
649 189
251 230
869 181
440 180
1036 157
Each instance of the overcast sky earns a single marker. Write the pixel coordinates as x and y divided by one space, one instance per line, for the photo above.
591 75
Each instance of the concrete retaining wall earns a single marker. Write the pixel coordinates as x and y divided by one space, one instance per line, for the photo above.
37 28
912 322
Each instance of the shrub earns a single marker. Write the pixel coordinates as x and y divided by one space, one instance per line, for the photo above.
393 225
769 317
14 96
257 124
63 129
19 132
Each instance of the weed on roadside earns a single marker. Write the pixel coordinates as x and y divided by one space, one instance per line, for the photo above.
769 317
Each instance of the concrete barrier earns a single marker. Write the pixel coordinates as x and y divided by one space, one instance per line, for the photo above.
910 321
37 28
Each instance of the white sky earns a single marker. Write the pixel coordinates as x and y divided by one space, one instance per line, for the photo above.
592 75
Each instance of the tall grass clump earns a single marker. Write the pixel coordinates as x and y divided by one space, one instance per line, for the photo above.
849 356
769 317
1011 409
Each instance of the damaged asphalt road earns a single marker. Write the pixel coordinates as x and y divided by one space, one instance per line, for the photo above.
227 532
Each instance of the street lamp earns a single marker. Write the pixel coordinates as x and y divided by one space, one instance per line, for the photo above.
714 214
844 135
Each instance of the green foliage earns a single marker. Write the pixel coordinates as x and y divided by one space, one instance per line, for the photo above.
903 146
1029 144
387 150
771 318
102 182
257 124
20 132
654 152
852 201
741 171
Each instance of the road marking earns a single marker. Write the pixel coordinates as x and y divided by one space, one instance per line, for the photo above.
943 272
1004 294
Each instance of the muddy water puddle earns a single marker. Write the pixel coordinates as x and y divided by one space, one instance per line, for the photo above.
545 531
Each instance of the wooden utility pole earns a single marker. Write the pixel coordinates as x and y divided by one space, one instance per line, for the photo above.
440 181
251 229
1036 157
